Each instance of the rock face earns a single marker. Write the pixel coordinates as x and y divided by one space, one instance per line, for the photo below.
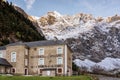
90 38
101 42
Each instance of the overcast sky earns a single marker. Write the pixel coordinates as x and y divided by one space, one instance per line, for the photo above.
38 8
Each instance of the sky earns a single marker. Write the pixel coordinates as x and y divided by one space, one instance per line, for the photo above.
103 8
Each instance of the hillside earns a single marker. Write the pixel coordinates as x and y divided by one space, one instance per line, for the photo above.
95 41
14 26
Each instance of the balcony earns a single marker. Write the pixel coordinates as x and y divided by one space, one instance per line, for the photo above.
44 56
48 66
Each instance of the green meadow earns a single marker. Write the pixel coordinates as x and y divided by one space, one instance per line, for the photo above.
44 78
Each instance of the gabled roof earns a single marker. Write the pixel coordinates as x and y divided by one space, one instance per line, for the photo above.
4 62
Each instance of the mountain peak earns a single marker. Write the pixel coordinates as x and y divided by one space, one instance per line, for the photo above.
54 14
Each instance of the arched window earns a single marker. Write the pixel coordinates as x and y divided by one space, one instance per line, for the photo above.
13 57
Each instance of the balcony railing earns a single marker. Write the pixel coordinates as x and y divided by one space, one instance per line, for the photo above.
43 56
49 66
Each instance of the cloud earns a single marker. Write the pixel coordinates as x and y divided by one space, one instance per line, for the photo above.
29 3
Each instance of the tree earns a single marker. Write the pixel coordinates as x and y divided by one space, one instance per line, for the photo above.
74 67
97 69
14 26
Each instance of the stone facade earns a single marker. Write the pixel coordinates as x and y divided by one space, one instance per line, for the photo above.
44 60
19 64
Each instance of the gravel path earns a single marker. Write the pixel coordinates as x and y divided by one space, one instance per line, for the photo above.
107 78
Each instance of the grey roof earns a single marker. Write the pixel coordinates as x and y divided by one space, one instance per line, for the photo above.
4 62
44 43
38 43
16 43
2 47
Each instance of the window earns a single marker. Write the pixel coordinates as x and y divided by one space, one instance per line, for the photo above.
59 60
40 71
59 50
41 51
1 54
41 61
59 70
26 62
13 70
26 51
13 57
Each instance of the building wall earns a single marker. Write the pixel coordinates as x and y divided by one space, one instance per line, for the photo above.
69 63
2 69
50 58
19 64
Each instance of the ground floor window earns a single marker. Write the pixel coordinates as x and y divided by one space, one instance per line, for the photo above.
40 71
13 70
59 70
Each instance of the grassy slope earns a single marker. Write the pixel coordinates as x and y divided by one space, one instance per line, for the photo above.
44 78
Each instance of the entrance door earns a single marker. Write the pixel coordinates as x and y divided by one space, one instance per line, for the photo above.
26 71
48 73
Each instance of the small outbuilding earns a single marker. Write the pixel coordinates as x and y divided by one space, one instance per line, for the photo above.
4 66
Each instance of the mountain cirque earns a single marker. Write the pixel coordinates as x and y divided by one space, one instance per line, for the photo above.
95 39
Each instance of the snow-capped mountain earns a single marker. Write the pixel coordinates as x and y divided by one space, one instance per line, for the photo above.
93 39
57 25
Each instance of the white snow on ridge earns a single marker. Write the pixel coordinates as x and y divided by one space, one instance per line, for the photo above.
35 17
107 64
57 14
68 32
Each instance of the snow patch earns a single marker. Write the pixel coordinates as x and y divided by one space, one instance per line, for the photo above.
108 63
